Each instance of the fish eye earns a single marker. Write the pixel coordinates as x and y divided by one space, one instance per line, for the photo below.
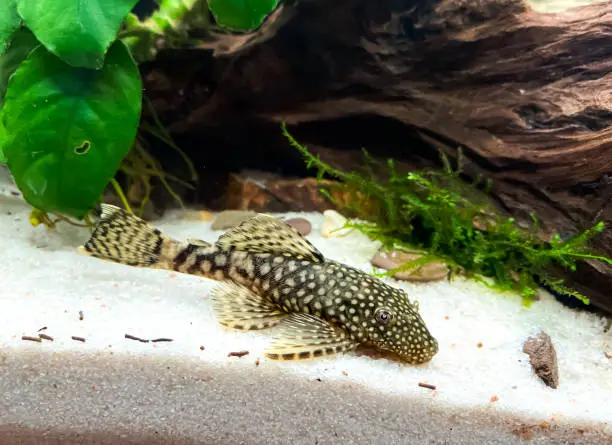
383 316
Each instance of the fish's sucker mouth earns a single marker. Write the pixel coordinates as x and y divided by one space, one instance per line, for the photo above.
428 353
434 351
435 347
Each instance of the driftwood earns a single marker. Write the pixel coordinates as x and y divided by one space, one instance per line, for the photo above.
527 95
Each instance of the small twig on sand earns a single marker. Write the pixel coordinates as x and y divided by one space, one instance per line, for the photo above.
132 337
238 354
29 338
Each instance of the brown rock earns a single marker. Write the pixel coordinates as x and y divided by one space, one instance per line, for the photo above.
433 271
543 358
301 224
268 192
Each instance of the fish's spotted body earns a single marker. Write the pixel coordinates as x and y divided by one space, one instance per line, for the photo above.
273 277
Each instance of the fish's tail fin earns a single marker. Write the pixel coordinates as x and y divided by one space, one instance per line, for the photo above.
124 238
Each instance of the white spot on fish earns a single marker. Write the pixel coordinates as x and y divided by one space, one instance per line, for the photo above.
265 269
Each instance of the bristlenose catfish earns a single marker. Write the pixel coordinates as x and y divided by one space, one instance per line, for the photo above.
272 276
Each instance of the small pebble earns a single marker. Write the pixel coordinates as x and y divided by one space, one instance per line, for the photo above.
230 218
543 358
332 225
199 215
301 224
433 271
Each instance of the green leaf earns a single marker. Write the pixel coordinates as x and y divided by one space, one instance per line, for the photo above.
9 21
2 142
241 15
20 43
69 128
19 46
77 31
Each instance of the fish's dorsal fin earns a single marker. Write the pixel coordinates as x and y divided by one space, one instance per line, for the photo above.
236 306
302 336
267 234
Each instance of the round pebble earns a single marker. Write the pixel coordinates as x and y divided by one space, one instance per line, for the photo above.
230 218
301 224
199 215
433 271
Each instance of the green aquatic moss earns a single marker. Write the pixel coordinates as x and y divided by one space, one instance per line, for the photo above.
453 221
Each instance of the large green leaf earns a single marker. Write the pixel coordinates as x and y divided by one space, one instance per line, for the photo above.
69 128
9 20
2 140
20 43
19 46
77 31
241 15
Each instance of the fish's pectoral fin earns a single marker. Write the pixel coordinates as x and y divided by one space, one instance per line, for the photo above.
267 234
302 336
238 307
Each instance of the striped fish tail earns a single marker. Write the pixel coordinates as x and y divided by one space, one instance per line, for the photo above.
124 238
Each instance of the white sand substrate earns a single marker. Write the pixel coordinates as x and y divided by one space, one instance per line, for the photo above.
110 389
